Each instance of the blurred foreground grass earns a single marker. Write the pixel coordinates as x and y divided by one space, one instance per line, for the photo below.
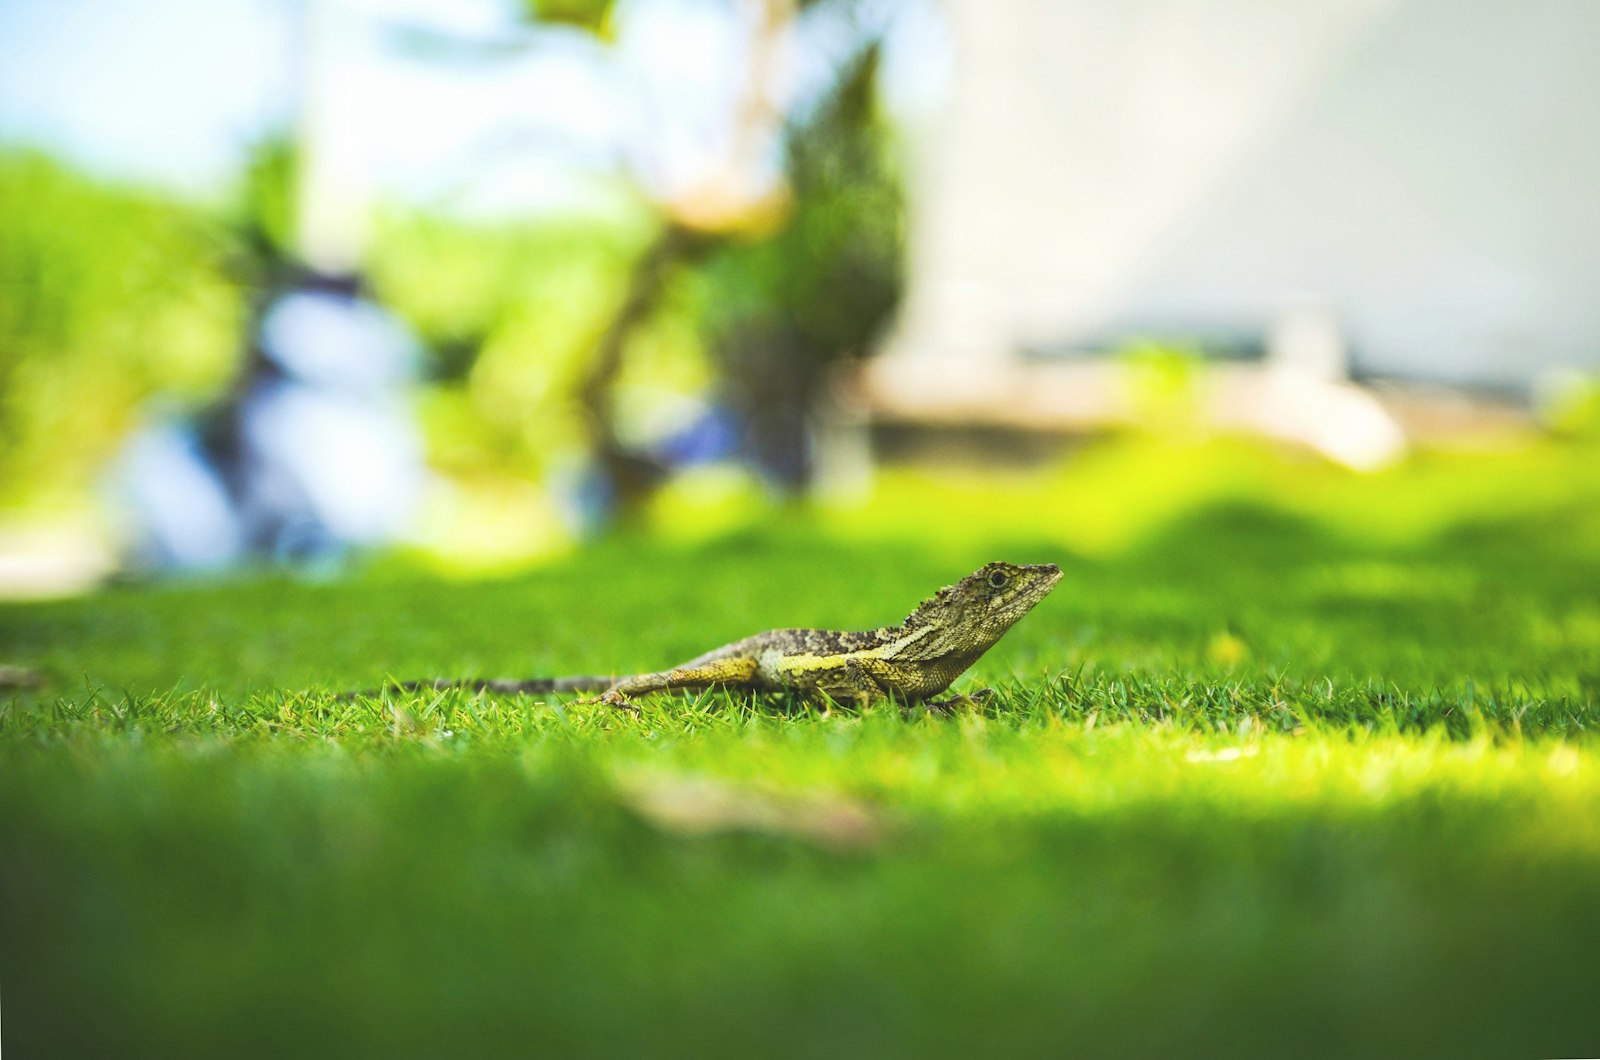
1306 764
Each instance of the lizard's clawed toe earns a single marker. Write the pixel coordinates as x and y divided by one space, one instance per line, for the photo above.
976 699
613 698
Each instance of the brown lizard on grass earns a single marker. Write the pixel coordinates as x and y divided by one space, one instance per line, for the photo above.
911 663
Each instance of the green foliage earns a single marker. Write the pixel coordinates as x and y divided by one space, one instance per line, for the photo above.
510 315
1569 403
261 215
108 297
594 16
1164 381
834 273
118 301
1309 766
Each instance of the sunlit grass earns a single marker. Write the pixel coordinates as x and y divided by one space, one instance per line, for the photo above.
1293 762
1112 496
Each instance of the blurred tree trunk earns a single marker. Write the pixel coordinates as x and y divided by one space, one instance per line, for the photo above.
822 289
726 202
631 475
776 376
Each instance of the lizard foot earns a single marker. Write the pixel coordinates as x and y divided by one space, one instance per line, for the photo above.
949 704
608 698
612 698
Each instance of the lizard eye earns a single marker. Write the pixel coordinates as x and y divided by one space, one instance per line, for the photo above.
998 579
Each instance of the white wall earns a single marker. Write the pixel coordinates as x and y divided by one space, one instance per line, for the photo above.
1429 170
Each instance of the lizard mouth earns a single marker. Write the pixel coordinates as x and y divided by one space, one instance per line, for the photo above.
1050 574
1036 582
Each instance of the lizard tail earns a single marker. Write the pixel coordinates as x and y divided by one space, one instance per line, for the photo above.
531 686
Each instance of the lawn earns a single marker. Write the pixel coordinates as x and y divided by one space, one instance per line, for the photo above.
1294 762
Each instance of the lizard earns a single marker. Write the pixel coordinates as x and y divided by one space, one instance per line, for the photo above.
912 662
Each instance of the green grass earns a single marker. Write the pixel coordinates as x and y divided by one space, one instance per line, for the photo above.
1292 763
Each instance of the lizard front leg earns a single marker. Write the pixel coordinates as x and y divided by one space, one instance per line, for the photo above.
842 681
734 671
914 687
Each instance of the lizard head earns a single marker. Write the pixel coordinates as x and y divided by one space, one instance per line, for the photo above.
989 601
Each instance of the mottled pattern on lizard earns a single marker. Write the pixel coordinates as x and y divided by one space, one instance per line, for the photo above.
911 662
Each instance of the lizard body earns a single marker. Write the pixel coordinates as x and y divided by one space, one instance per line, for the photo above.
912 662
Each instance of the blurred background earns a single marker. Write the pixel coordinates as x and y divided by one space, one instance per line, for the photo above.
468 283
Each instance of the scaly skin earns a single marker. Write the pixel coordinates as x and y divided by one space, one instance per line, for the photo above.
912 662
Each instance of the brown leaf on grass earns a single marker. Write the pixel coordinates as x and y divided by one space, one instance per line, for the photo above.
20 677
691 805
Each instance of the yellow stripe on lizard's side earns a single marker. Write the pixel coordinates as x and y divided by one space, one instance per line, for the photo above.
799 664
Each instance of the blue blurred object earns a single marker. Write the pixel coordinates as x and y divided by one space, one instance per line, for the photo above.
184 516
314 454
714 435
